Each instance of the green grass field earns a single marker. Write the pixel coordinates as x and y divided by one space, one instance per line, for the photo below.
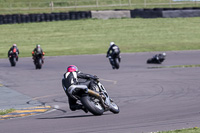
93 36
41 6
189 130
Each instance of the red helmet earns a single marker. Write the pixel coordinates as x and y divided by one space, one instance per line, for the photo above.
72 68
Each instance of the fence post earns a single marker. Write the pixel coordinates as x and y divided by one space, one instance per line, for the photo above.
145 3
75 4
129 2
10 6
29 5
170 3
51 5
97 3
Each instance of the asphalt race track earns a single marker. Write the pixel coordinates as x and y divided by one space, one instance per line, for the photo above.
150 99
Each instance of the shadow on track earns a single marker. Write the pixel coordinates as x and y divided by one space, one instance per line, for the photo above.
75 116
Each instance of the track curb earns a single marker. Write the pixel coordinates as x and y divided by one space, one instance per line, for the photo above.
25 112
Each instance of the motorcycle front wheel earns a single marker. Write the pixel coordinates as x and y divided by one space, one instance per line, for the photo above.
13 61
92 105
38 64
114 108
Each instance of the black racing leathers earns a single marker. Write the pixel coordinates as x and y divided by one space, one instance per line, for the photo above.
73 78
114 52
15 50
159 58
37 52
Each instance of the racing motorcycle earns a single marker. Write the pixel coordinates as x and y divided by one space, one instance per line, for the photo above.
38 61
157 59
13 57
114 62
95 100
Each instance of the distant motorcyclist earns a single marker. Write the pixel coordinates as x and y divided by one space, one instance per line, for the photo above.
160 57
14 50
36 51
73 77
157 59
114 51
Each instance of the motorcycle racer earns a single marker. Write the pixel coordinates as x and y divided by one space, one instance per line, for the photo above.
113 51
157 59
160 57
73 77
15 50
36 51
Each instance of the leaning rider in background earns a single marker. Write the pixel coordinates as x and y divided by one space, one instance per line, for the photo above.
36 51
73 77
160 57
15 50
113 51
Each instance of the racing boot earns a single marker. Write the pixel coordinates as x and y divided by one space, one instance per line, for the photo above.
119 58
42 60
84 109
78 107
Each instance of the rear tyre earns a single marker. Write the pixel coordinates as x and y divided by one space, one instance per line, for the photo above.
148 61
92 105
116 63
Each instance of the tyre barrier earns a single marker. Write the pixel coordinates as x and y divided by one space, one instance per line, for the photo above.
80 15
146 13
30 18
141 13
166 12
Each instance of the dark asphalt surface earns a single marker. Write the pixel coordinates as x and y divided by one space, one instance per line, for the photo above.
149 99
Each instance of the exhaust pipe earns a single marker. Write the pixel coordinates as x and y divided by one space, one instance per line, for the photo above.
93 93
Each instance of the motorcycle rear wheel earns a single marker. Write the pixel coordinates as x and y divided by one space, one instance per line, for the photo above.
91 105
116 63
149 61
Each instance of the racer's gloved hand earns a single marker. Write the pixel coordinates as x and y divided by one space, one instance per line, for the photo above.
95 77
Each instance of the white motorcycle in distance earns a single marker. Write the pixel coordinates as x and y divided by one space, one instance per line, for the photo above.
96 101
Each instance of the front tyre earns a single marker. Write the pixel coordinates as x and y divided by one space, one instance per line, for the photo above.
92 105
38 64
114 108
13 61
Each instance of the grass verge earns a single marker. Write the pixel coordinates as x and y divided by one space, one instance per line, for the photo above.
92 36
189 130
6 111
177 66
